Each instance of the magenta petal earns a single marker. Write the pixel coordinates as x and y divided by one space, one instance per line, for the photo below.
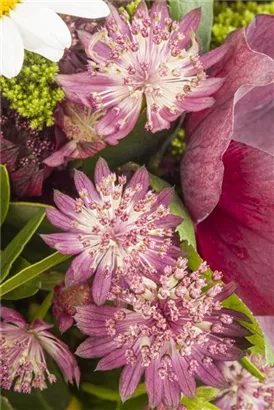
10 315
171 393
59 157
153 383
185 380
64 323
58 219
209 374
81 269
160 8
102 171
112 361
83 183
65 243
129 380
193 104
91 319
102 280
259 34
95 347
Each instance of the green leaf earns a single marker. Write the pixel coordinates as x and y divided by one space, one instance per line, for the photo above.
194 404
32 272
5 404
137 146
251 368
5 193
206 393
51 279
101 392
257 337
186 228
15 247
110 394
179 8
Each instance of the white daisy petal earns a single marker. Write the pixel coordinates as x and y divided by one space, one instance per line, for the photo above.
86 9
42 30
11 50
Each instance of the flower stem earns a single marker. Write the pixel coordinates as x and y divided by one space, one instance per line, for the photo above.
44 307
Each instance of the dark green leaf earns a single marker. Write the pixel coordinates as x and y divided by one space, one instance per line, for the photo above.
186 228
15 247
5 404
5 193
179 8
101 392
51 279
32 272
137 146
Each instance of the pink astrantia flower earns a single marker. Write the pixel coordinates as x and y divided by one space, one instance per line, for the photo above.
64 301
174 334
77 123
23 354
244 391
227 170
151 58
115 228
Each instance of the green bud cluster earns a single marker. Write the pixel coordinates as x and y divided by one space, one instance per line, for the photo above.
228 16
178 144
34 93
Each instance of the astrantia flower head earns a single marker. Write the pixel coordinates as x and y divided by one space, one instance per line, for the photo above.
119 230
64 301
23 354
149 58
175 333
78 124
244 391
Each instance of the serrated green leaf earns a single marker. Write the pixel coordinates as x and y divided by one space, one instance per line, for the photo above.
5 404
15 247
186 228
32 272
257 337
196 404
137 146
251 368
5 193
179 8
206 393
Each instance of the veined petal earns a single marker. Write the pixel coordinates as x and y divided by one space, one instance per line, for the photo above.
129 380
65 243
12 48
102 171
95 347
154 384
103 278
112 361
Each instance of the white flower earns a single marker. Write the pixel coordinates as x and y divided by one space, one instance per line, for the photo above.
34 25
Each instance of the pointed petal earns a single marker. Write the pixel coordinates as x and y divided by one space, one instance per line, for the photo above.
154 384
83 183
12 48
91 319
185 380
58 219
96 347
102 171
65 243
129 380
112 361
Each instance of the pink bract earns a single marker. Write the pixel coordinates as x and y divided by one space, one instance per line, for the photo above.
23 354
147 59
174 333
227 170
116 228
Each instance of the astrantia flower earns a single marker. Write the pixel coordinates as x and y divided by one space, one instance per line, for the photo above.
148 58
23 352
115 229
78 124
227 169
23 150
244 391
174 334
35 26
64 301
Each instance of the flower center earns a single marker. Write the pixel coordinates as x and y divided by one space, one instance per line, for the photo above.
6 6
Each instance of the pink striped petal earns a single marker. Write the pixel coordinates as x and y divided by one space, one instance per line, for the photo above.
154 384
112 361
65 243
102 171
96 347
58 219
83 183
129 380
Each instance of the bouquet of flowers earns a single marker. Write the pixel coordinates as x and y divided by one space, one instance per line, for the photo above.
137 205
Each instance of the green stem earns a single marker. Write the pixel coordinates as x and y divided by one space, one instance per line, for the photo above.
44 307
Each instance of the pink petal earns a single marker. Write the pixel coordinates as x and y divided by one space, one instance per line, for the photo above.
185 380
80 269
102 171
259 34
11 316
91 319
153 383
267 324
129 380
189 23
65 243
83 183
103 278
210 132
171 393
193 103
58 219
114 360
96 347
160 9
